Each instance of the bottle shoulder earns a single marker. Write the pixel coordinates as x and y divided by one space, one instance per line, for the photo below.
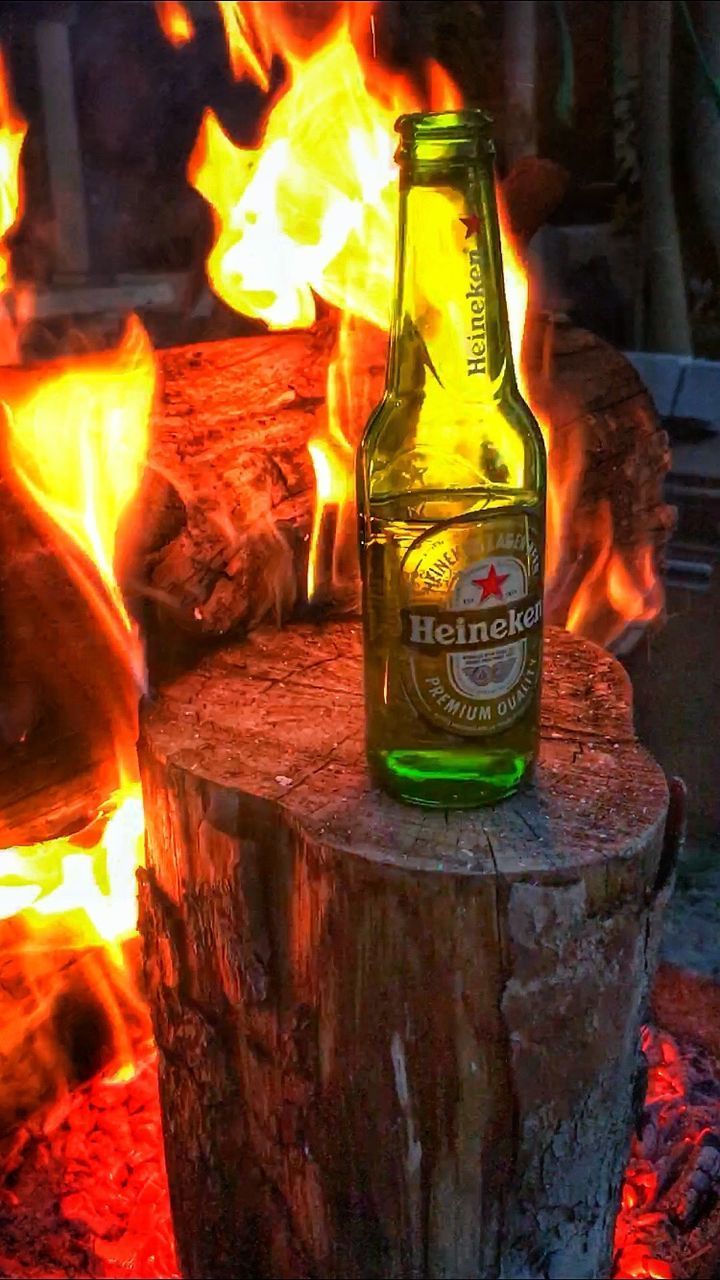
453 443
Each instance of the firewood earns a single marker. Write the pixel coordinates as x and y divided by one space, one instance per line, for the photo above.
66 1010
228 506
393 1042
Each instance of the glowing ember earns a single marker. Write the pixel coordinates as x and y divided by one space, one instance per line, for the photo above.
652 1240
84 1192
176 23
86 1182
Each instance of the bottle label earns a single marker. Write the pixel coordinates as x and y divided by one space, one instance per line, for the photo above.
471 622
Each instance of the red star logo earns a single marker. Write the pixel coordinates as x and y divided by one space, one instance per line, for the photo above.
471 225
491 585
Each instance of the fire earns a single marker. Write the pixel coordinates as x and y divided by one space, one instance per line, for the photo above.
95 884
78 436
564 475
310 212
77 440
175 21
12 135
617 592
241 35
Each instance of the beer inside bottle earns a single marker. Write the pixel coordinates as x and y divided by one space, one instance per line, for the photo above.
451 493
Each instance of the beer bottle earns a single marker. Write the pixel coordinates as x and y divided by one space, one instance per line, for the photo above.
451 494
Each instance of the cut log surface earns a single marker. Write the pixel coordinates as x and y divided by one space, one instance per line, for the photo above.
393 1041
230 486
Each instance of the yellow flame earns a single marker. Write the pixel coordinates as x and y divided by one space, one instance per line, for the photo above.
239 33
311 211
77 440
12 135
61 877
78 436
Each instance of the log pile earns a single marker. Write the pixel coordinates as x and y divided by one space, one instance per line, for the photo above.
228 505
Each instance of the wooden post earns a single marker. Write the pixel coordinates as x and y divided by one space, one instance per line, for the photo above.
63 146
393 1041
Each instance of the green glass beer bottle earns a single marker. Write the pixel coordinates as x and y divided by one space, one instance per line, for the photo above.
451 496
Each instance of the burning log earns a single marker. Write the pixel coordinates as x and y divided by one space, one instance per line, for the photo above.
231 482
704 1183
393 1041
230 495
64 1013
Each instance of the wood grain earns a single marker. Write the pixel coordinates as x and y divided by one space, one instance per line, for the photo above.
393 1042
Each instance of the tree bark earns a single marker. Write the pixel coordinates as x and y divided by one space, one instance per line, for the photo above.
393 1041
668 324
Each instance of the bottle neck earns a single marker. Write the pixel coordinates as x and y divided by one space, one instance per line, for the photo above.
450 328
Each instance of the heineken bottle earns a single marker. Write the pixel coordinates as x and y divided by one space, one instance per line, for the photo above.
451 496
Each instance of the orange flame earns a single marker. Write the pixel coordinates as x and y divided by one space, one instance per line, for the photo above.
175 21
615 591
312 212
77 440
242 36
309 213
78 436
95 884
12 135
564 475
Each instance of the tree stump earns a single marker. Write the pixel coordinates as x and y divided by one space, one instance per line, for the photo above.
394 1042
